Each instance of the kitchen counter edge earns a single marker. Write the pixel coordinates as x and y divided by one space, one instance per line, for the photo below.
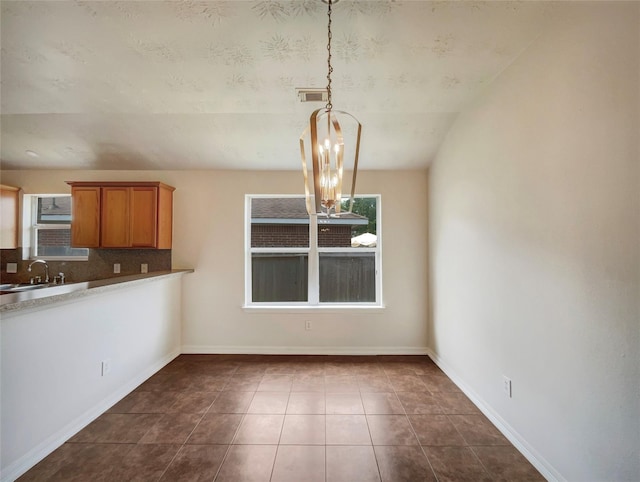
26 300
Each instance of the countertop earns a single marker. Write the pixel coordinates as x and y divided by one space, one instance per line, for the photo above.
37 298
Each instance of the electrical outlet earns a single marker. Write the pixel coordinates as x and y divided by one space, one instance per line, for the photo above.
506 386
12 267
307 325
144 268
116 268
106 367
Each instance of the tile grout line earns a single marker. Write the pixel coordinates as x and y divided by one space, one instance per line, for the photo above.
275 457
235 433
468 445
373 449
190 434
414 431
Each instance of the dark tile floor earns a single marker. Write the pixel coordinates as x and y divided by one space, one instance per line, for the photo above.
290 418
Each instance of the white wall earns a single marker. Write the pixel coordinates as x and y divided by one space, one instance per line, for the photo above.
209 236
535 247
51 363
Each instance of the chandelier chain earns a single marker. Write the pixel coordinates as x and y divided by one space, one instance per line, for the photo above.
329 66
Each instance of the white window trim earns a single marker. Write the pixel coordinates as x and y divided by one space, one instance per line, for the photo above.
31 226
313 304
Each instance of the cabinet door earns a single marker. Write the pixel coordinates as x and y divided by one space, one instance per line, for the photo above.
9 217
165 217
144 217
115 227
85 217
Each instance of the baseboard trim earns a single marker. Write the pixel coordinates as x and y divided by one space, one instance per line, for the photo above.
39 452
530 453
302 350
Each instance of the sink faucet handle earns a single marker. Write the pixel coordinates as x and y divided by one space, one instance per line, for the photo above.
61 278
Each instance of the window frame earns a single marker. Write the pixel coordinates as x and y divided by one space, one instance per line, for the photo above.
31 202
313 252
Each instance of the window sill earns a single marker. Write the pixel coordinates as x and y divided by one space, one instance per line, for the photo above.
338 308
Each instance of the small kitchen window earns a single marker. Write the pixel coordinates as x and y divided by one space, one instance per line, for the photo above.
49 233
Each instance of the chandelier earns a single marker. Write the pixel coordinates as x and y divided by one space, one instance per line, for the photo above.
331 156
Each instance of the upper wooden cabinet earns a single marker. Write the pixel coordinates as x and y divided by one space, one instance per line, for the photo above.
9 216
144 212
116 218
85 215
127 214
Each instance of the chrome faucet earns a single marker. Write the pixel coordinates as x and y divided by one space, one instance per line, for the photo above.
46 268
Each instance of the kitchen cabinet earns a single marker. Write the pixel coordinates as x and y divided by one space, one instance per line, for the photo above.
85 215
9 216
129 214
115 217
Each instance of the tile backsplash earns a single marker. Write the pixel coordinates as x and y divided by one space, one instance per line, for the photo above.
99 265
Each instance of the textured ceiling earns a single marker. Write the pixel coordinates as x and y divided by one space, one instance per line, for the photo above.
212 85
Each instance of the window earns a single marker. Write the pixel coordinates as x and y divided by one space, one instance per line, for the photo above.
291 262
50 227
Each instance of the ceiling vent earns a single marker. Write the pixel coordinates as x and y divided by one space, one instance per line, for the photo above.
312 95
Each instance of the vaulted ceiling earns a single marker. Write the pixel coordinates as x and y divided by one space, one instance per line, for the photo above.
212 85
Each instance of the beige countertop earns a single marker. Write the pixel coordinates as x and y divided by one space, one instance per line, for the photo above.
46 296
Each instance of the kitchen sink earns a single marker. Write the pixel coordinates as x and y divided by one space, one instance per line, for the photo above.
17 287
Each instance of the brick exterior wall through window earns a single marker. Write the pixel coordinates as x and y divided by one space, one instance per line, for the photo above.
297 236
334 236
54 237
279 235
